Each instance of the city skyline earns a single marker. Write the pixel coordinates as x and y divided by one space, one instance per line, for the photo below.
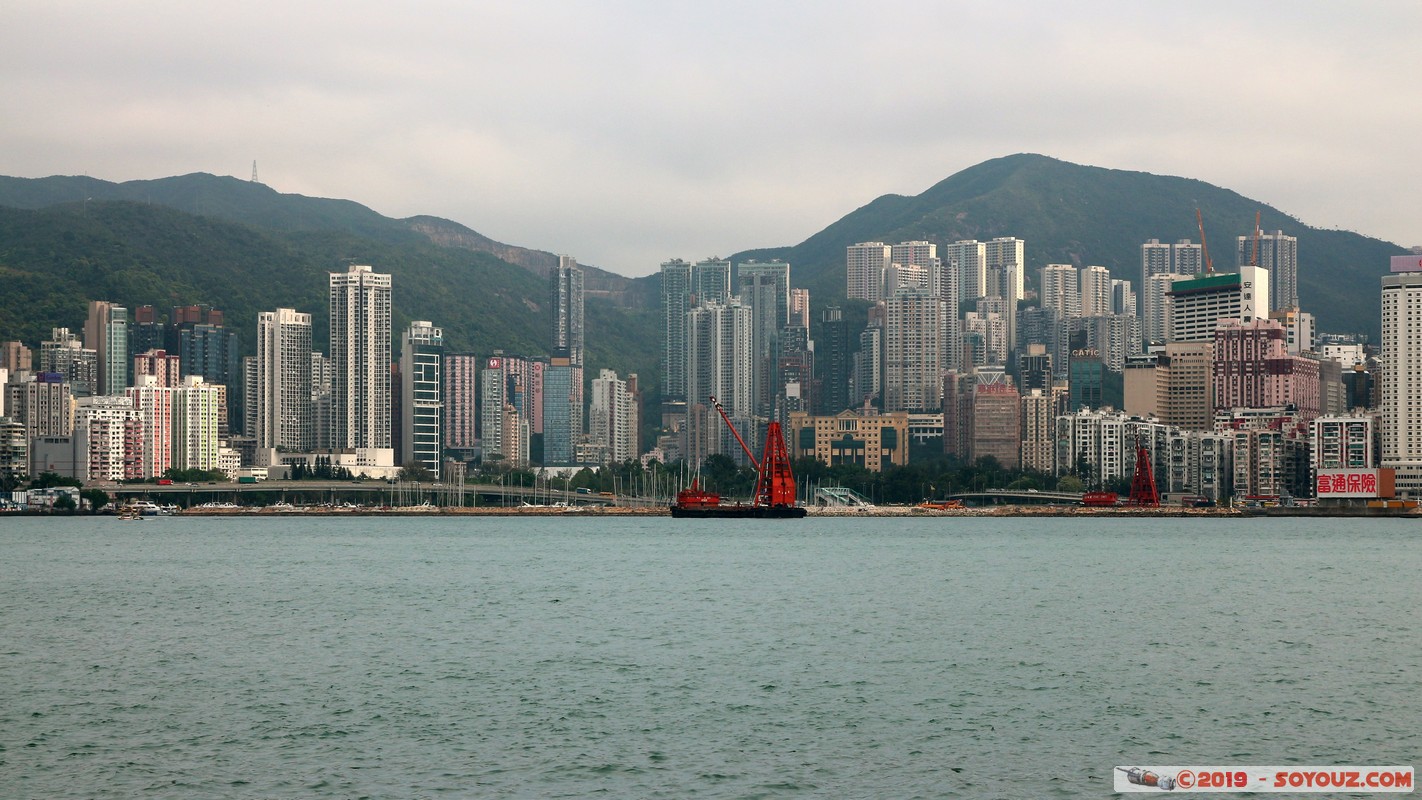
407 125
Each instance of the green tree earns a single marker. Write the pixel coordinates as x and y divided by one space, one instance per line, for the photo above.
64 503
49 480
97 498
415 471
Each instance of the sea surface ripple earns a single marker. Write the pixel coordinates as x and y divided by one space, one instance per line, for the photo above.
657 658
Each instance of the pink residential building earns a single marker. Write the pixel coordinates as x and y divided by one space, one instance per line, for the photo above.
1253 369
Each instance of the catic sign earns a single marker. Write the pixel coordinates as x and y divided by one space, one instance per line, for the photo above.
1086 352
1357 483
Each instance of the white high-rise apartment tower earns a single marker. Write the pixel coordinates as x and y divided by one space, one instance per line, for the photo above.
1156 306
864 270
971 258
1155 260
914 352
720 356
1401 380
282 400
1003 254
1095 292
360 358
1061 290
612 417
1188 257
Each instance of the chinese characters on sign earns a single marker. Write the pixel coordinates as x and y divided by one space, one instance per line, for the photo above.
1347 483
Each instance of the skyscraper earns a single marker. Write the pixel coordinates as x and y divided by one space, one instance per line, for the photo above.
834 382
1280 255
1061 290
422 396
865 263
282 397
197 409
1095 292
503 432
154 405
914 357
612 418
720 358
566 303
160 364
1005 257
1401 380
762 292
562 395
1252 368
1198 304
106 333
212 351
461 401
360 358
1155 260
970 257
15 357
800 307
1156 306
711 280
676 301
777 272
322 380
66 355
765 287
1188 257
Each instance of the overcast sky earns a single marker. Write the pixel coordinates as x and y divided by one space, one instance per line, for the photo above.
625 133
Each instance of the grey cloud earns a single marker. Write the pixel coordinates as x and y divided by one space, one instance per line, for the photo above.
627 132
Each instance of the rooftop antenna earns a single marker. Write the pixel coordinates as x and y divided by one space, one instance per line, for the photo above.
254 172
1204 246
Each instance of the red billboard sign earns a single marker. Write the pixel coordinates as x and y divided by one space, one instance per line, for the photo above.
1346 483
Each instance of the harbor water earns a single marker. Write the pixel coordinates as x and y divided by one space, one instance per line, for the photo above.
645 657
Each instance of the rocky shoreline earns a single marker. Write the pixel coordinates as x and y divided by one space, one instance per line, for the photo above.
661 511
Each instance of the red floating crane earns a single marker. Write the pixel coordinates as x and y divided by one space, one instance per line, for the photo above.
774 483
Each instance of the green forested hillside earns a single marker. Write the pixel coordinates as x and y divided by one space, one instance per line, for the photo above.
54 260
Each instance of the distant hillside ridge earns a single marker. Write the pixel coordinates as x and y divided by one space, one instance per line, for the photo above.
55 259
1082 215
260 206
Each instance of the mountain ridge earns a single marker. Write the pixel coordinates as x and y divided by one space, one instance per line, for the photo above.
262 207
117 241
1084 215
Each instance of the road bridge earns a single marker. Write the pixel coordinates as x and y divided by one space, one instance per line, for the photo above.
368 492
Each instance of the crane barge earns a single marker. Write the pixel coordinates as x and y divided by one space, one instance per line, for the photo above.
774 484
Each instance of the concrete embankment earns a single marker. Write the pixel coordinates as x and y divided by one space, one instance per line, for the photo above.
624 511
